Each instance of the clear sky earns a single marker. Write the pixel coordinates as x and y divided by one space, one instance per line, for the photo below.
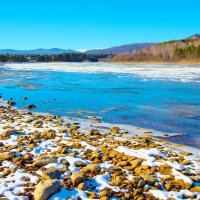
86 24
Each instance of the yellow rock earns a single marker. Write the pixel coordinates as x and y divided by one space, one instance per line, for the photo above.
185 153
136 163
195 189
122 164
7 156
148 179
92 195
93 167
82 186
113 153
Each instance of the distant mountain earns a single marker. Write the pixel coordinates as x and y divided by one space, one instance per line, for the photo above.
195 36
37 51
129 48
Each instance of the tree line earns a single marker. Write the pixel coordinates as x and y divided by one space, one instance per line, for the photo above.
64 57
187 52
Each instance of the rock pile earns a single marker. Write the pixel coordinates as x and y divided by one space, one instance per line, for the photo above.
41 155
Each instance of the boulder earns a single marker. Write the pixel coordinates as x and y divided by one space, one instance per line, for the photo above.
82 186
92 195
93 168
28 156
97 154
48 134
113 153
8 132
80 164
3 115
122 164
115 129
7 156
44 160
168 186
185 153
165 169
136 163
30 147
141 183
195 178
11 103
65 162
150 180
105 193
135 179
77 178
104 198
44 189
93 132
195 189
31 106
52 173
185 162
106 158
119 180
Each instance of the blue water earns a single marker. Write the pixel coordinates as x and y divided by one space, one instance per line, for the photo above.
163 105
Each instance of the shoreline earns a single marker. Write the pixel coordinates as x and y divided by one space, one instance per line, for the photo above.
89 163
157 62
89 122
182 61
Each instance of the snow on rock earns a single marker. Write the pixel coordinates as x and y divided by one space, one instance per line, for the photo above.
141 153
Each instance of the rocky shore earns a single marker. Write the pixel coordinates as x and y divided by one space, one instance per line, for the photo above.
45 157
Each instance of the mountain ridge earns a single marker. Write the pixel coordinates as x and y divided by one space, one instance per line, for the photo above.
40 51
127 48
121 49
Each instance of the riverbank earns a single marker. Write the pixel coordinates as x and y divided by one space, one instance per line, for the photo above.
159 61
118 61
41 154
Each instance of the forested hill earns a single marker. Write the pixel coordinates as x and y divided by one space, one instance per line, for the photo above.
173 49
188 48
129 48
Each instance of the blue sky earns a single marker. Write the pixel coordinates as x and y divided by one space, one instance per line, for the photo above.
86 24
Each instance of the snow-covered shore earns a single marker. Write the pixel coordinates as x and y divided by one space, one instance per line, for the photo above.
44 156
171 71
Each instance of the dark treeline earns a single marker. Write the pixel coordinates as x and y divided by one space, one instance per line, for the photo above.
64 57
187 52
13 58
